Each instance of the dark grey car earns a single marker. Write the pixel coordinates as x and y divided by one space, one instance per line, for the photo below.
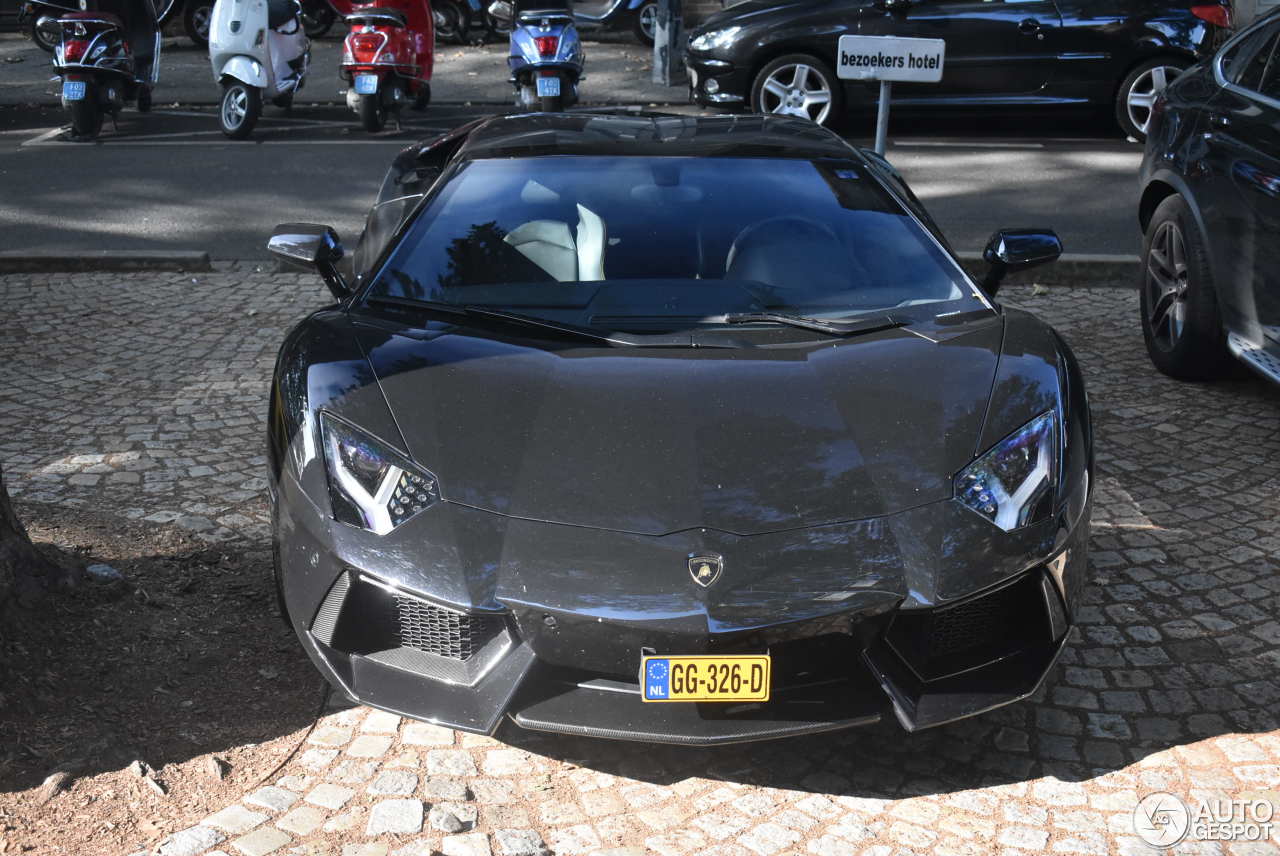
1210 213
672 429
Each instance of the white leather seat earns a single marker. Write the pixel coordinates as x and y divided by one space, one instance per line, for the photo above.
550 244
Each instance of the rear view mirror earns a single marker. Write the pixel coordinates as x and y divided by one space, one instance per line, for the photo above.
311 247
1012 250
503 11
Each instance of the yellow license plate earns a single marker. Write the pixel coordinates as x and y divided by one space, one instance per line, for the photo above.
706 678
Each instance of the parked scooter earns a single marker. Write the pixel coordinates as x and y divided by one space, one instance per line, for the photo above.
639 16
258 49
108 54
546 58
388 58
39 17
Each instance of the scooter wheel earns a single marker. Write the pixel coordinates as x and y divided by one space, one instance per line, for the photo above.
552 104
144 99
372 114
86 116
241 106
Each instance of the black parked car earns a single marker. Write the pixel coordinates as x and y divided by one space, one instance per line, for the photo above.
672 429
1210 212
779 57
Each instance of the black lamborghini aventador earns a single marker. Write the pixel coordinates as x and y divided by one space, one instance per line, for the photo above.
672 429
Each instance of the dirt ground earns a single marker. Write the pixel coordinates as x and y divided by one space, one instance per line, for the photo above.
131 709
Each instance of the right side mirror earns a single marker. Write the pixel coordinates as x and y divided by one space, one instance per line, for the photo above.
1012 250
503 11
311 246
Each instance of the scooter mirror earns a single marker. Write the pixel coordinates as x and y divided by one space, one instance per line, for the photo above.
311 247
503 11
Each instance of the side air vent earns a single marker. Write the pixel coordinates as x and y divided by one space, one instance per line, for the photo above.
443 632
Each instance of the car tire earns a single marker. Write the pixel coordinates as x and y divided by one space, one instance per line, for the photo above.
452 21
196 16
1139 89
1181 323
373 115
239 109
86 115
318 20
791 85
646 23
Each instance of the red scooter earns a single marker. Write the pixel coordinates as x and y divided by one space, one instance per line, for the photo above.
388 57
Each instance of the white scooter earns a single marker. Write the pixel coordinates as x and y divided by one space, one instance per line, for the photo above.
259 49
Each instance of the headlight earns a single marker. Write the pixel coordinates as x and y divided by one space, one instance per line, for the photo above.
370 485
1012 484
714 39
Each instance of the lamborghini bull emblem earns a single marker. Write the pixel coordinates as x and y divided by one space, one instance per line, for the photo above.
705 570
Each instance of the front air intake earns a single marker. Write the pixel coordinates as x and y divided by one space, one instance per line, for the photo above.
443 632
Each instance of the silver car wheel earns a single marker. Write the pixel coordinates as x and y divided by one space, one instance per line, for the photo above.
1142 94
1166 283
200 18
796 90
649 20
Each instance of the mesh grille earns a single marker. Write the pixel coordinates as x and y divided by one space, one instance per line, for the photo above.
973 624
443 632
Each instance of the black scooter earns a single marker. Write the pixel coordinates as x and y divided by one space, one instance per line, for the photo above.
108 54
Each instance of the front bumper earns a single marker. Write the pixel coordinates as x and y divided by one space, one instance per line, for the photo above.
715 82
547 631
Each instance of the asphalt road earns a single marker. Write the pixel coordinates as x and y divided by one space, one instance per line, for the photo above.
170 180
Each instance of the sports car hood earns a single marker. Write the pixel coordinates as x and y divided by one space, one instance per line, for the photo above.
659 440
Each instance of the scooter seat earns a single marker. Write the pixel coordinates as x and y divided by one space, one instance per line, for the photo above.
104 19
377 15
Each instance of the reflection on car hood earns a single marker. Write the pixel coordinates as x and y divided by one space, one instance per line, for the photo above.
653 441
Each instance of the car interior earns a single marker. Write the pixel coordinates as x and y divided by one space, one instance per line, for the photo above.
683 235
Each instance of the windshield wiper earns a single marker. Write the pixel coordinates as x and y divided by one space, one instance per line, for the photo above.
832 328
470 310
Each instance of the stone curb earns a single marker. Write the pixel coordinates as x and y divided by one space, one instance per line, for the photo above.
60 261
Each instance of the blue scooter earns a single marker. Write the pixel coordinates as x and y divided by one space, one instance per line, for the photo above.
546 57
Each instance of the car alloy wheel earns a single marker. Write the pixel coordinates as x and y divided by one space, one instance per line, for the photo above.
1166 284
647 23
1144 85
796 89
449 21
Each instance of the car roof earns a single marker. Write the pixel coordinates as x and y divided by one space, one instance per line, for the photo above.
654 134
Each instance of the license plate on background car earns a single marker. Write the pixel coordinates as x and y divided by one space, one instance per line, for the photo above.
366 84
73 90
548 87
706 678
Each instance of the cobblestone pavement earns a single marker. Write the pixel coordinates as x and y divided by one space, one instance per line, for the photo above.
147 393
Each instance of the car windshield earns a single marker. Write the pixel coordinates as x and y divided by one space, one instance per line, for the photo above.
669 243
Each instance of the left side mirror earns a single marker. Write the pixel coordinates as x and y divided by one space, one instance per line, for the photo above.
1012 250
311 247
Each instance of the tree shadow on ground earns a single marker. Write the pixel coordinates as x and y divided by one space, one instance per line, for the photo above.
185 656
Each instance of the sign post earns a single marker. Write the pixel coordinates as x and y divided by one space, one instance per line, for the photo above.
888 59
